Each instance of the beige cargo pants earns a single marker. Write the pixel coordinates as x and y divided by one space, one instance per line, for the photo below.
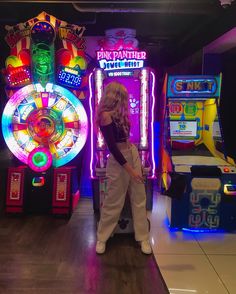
119 182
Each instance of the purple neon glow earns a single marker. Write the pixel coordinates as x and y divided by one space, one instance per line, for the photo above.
144 114
152 123
91 95
222 44
98 96
126 83
133 86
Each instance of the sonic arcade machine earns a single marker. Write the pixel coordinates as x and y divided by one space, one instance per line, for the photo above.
44 123
120 60
193 145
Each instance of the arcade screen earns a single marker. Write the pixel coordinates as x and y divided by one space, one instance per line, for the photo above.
180 129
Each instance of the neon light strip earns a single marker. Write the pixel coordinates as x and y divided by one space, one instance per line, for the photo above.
91 123
98 80
152 124
97 97
144 108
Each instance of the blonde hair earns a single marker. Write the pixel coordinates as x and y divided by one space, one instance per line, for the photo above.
115 99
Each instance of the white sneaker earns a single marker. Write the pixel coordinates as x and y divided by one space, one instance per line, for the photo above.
146 247
100 247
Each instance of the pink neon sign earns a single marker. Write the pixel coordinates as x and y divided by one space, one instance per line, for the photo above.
121 55
120 59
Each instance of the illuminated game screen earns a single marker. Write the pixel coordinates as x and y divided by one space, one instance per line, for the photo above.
183 129
133 87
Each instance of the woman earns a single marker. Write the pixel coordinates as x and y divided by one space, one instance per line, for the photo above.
123 169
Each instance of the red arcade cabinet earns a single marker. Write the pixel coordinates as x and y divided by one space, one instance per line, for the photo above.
120 60
44 123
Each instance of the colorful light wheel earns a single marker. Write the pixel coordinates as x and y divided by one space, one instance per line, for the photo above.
53 119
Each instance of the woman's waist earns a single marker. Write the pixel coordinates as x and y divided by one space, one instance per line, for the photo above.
124 145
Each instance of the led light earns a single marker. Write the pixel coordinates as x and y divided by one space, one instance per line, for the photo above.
38 181
69 77
99 80
230 189
91 122
40 159
144 109
18 76
152 124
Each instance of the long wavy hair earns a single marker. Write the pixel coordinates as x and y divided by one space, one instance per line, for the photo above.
115 99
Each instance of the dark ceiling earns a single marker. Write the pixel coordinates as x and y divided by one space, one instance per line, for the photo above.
170 30
174 29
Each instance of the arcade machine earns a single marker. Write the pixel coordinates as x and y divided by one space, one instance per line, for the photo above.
44 124
193 146
120 60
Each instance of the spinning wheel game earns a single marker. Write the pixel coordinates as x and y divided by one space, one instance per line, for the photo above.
55 120
44 124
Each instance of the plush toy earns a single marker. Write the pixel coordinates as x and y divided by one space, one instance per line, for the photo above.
23 58
78 61
63 57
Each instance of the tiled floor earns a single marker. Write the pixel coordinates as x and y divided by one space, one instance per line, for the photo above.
202 263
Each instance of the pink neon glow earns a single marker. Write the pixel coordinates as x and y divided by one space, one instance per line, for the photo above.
152 124
144 89
44 98
91 124
99 79
133 86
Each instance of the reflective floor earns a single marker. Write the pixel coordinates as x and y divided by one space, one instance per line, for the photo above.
41 254
192 262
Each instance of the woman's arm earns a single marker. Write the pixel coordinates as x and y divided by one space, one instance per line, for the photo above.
107 131
108 134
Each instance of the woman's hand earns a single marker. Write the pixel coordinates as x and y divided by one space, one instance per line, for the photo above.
134 174
137 177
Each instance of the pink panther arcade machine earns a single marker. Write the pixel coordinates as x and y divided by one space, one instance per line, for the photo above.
44 123
120 60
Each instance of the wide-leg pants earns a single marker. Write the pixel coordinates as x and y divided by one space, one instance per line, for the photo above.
119 182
